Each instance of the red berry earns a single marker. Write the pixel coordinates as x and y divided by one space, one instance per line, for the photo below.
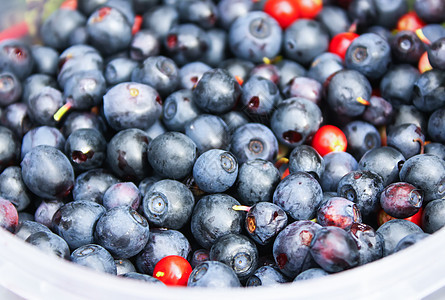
309 9
340 43
329 139
410 21
173 270
285 12
9 217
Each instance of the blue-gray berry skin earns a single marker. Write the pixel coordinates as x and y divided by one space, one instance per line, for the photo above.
410 240
208 132
213 217
127 154
295 120
407 138
311 274
213 274
299 195
124 265
426 172
75 222
436 125
254 140
291 247
337 165
13 188
50 243
305 158
238 252
28 227
370 244
260 95
162 242
172 155
428 91
304 39
122 231
142 277
94 257
215 171
266 276
384 161
363 188
168 203
48 185
159 72
256 182
131 105
395 230
178 109
217 91
254 36
264 221
42 135
433 216
86 149
119 70
122 193
92 185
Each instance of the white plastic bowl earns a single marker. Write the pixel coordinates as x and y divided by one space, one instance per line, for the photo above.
414 273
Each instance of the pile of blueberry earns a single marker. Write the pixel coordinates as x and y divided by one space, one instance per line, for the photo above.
241 142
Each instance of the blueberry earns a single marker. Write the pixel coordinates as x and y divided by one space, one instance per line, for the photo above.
335 19
345 88
57 183
16 57
119 70
406 47
13 188
213 217
10 150
234 119
75 222
379 112
159 72
324 65
304 39
121 194
436 54
44 104
9 217
86 149
305 158
217 48
264 221
124 266
430 11
45 59
127 154
172 155
215 171
370 244
384 161
26 228
109 30
311 274
122 231
238 252
168 203
433 216
78 120
92 185
208 132
334 249
407 138
10 88
254 141
395 230
410 114
410 240
437 149
295 120
94 257
337 164
160 19
266 276
361 137
144 43
340 212
426 172
436 125
143 277
45 212
131 105
363 188
85 89
254 36
305 87
161 243
427 91
260 96
291 247
199 256
201 12
256 182
42 135
16 118
401 200
289 69
58 27
50 243
213 274
217 91
191 73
